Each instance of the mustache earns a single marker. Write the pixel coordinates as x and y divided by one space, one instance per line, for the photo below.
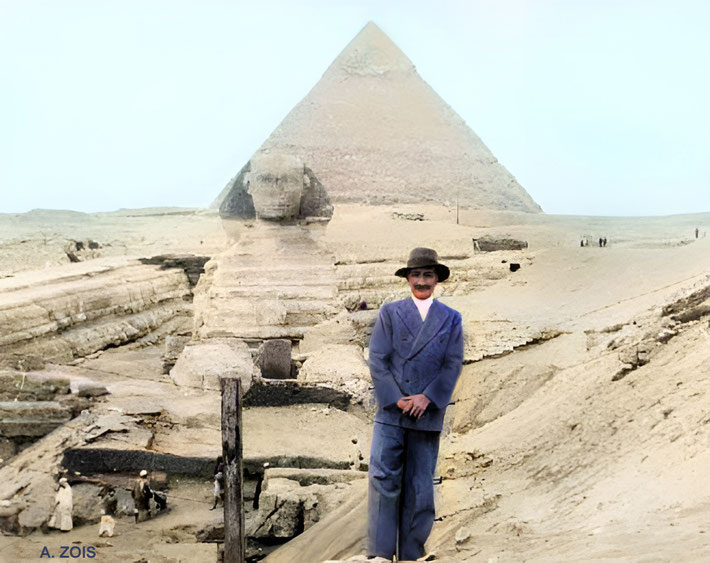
422 286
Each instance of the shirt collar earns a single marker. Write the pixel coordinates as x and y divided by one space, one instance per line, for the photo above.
423 305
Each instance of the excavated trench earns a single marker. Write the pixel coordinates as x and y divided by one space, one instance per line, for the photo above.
95 469
113 468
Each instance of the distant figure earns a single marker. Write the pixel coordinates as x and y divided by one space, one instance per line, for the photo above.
109 503
697 232
218 490
141 493
601 241
110 506
63 505
581 243
106 526
604 240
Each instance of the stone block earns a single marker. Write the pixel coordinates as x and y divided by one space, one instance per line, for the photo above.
91 389
274 359
202 364
340 367
338 330
124 504
281 510
287 509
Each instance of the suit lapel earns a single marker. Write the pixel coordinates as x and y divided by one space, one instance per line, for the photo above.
432 324
410 317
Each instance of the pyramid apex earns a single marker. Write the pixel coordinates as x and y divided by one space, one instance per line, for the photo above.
371 52
375 132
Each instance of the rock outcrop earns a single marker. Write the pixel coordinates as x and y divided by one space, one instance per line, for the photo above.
29 419
491 244
72 311
294 500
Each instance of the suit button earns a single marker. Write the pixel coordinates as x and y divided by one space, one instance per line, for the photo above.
406 380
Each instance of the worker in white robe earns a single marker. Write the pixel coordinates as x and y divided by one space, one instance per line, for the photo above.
63 504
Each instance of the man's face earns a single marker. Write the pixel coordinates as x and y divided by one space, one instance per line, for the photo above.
422 281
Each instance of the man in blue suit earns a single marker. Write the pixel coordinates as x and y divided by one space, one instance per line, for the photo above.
416 354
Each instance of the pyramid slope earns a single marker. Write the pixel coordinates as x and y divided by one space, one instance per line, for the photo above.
374 131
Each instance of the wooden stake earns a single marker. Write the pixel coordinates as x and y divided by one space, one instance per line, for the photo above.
234 540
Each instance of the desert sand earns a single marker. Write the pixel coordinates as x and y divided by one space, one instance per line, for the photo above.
580 428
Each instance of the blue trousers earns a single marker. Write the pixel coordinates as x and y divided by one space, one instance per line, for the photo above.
401 491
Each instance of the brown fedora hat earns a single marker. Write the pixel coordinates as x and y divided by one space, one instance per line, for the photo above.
424 258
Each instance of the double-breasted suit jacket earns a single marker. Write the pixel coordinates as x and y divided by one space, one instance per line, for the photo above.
410 356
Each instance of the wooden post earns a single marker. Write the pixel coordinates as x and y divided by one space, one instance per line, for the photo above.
234 540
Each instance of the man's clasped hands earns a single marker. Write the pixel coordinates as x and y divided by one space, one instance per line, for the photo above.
414 405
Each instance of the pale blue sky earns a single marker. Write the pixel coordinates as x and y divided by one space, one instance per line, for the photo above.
596 107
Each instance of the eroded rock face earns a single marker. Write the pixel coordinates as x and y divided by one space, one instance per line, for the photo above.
31 386
87 503
8 448
274 283
174 345
276 186
78 309
31 418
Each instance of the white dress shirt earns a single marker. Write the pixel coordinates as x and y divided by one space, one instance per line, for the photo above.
423 305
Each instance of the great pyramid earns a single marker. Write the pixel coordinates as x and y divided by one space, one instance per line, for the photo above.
375 132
